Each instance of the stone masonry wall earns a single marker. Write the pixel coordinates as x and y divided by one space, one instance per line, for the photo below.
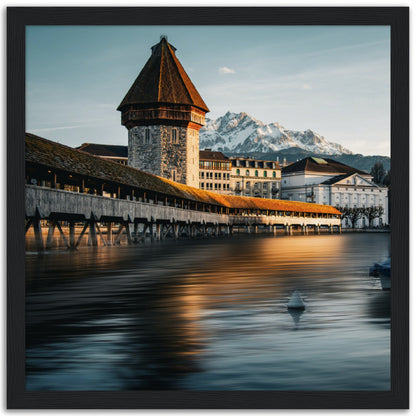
142 155
173 153
163 155
192 161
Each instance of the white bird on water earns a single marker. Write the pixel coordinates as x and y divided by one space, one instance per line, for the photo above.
296 301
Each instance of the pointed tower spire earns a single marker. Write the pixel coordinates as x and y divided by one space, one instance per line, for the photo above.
163 112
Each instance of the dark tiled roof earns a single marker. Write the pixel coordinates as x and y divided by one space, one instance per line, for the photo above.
104 149
163 80
335 179
52 155
311 164
338 178
211 155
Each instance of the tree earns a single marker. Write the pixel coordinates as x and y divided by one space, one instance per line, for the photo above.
378 173
352 214
372 213
386 180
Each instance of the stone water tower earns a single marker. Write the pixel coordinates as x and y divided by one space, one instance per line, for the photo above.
163 113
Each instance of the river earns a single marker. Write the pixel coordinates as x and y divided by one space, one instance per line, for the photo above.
210 315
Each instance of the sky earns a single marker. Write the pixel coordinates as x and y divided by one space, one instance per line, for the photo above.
334 80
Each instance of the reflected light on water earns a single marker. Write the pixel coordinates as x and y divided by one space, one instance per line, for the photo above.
210 315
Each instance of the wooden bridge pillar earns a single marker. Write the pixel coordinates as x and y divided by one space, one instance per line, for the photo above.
38 233
158 226
317 230
72 244
288 229
109 233
93 234
176 230
51 230
136 232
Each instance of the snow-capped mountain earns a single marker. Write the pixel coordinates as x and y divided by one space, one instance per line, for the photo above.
241 133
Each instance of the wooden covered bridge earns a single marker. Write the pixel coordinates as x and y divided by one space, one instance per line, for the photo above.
65 187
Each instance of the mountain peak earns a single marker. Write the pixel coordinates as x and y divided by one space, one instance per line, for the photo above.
242 133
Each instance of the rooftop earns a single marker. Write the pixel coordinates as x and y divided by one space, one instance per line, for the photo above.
208 154
312 164
108 150
163 80
51 155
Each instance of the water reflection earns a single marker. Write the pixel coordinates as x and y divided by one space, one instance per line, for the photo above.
210 315
296 315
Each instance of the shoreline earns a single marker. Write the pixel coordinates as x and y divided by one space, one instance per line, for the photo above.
365 230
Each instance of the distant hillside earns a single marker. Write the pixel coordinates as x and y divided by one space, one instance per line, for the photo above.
292 154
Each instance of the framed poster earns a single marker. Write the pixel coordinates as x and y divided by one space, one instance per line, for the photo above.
224 281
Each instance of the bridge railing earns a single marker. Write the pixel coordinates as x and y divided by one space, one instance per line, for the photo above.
56 201
43 201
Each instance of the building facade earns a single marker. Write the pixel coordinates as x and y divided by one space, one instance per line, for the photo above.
238 175
163 113
214 172
255 178
325 181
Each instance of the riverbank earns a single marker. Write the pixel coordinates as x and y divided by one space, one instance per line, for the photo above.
365 230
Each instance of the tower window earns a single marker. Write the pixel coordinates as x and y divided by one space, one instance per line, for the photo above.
174 175
174 135
247 172
238 171
265 174
274 174
256 173
147 136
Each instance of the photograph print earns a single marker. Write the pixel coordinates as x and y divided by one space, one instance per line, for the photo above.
208 208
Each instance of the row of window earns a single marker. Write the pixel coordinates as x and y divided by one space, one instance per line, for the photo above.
217 175
256 173
208 164
255 185
256 163
216 186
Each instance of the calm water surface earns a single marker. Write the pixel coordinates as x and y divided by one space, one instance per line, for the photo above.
210 315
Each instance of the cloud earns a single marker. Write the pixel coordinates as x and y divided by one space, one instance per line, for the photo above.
225 70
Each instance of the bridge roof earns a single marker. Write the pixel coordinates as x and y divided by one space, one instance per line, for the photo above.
52 155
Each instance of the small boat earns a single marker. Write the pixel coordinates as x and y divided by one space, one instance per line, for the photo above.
296 301
382 270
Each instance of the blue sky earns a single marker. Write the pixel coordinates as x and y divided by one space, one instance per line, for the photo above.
334 80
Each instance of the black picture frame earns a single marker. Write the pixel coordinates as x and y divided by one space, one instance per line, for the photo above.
397 18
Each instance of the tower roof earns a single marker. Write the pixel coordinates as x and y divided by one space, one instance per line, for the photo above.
163 80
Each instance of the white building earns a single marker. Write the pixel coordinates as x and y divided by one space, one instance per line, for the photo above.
325 181
255 178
